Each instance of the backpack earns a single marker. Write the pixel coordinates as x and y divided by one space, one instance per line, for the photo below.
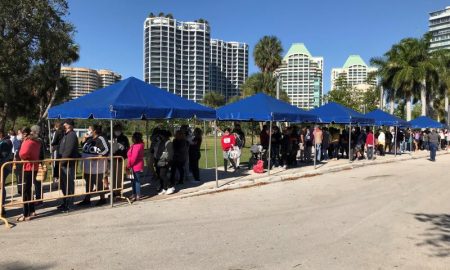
239 141
163 158
259 167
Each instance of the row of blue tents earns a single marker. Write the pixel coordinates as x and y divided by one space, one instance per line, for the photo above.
133 99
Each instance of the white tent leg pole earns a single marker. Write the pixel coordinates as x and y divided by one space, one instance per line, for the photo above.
315 153
395 142
206 145
111 166
215 153
50 138
349 142
374 148
270 148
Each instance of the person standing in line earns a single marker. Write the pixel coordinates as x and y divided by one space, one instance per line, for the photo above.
17 168
381 141
264 137
318 139
180 153
6 155
136 164
370 143
308 138
388 141
433 141
240 142
35 131
95 146
68 149
195 153
275 147
228 142
121 145
57 136
30 150
164 156
325 143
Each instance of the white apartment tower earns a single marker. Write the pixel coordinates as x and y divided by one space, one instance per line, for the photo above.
83 81
301 77
355 73
177 56
439 23
229 67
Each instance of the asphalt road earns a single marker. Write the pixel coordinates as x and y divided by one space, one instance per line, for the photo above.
391 216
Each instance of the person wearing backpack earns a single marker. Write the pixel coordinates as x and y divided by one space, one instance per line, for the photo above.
308 138
164 158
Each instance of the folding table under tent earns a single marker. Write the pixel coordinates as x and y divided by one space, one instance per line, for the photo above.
262 108
130 99
383 118
425 122
335 113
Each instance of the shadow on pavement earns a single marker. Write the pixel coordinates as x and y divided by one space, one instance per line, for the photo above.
22 266
437 236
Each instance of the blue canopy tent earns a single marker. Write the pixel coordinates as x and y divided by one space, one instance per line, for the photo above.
383 118
130 99
425 122
262 107
335 113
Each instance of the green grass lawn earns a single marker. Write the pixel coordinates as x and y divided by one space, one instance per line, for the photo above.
245 155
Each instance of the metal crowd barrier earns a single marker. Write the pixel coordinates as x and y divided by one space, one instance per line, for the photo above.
92 171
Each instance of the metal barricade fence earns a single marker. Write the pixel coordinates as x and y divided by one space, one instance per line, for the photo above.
34 181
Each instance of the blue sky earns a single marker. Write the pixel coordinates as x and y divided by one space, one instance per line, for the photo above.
110 32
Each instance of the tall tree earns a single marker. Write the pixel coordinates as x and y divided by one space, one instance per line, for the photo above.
213 99
267 54
262 83
35 41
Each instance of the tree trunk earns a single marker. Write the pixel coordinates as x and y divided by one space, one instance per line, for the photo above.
391 105
423 98
408 108
381 97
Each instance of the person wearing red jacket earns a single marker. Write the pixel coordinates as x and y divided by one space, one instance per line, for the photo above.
370 144
228 143
30 150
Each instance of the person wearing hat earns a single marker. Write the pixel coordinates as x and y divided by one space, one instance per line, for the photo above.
68 149
35 131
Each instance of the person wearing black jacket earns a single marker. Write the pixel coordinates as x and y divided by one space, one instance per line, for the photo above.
121 146
5 156
68 148
57 136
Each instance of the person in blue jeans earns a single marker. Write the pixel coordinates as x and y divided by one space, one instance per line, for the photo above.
135 164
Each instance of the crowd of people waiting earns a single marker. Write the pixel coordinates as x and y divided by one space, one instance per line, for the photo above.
170 161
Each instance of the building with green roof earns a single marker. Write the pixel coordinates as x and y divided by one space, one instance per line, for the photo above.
300 76
355 73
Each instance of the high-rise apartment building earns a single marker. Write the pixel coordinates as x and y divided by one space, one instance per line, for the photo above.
355 72
83 81
177 56
229 67
182 58
300 76
108 77
439 23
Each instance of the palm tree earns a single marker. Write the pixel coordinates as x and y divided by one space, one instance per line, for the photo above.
441 62
267 54
405 70
213 99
